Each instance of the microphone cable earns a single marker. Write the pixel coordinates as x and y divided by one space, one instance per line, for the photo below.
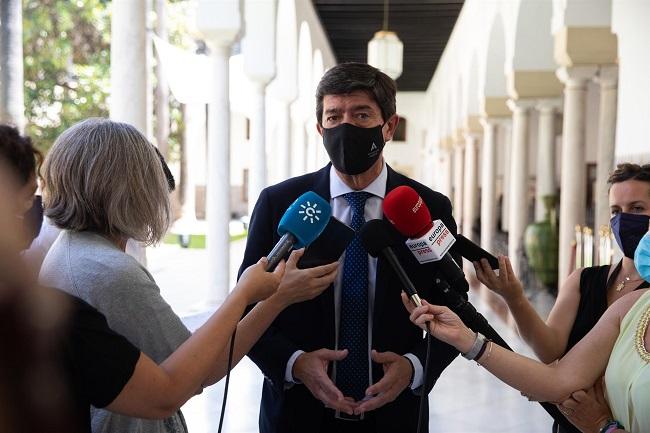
424 396
228 368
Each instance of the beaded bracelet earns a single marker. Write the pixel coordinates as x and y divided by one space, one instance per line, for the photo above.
611 425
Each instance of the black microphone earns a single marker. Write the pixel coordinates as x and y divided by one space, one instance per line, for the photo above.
378 237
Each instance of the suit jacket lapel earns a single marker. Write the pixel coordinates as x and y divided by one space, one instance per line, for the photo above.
321 186
383 268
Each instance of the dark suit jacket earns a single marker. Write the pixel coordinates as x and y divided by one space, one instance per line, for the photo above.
309 325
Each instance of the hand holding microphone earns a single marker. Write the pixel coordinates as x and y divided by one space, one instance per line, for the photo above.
302 222
257 283
505 283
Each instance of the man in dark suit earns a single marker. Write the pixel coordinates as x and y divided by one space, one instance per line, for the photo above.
348 360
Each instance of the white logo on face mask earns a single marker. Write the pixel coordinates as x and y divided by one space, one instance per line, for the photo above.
373 147
310 212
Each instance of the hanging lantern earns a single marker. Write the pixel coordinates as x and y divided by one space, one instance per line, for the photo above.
385 50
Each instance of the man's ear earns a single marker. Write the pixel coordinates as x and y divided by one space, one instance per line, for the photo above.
319 128
390 127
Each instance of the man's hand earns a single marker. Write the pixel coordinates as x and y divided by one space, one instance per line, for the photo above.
588 410
397 375
311 369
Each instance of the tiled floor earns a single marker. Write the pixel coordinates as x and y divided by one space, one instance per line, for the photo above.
466 399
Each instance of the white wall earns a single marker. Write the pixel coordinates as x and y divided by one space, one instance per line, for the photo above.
408 156
630 20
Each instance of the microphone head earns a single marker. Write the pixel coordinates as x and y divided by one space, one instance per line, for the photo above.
406 210
376 235
306 218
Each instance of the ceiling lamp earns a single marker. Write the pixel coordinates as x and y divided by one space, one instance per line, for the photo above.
385 50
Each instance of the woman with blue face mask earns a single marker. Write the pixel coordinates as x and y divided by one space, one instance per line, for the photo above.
585 295
642 257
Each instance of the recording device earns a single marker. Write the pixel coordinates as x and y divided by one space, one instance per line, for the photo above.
429 241
329 246
376 238
472 252
304 220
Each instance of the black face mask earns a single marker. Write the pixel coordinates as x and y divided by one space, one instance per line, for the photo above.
628 230
352 149
31 221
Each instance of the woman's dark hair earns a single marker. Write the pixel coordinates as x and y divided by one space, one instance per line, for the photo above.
629 171
348 77
19 152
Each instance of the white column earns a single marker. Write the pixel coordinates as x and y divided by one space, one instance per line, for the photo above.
488 187
129 101
195 138
458 185
12 100
518 180
312 148
545 182
608 80
284 140
299 138
470 185
128 63
218 182
447 167
162 86
573 180
257 156
506 136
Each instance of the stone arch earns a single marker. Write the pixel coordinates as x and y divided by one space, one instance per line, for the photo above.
533 50
472 82
287 52
305 60
494 78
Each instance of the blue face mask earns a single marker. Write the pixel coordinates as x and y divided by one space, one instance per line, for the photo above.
628 228
642 257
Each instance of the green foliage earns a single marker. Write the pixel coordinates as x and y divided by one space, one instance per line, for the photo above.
67 64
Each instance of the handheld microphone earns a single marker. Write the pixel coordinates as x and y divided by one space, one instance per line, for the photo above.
302 222
429 241
376 239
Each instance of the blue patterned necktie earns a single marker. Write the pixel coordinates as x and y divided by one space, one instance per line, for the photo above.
352 375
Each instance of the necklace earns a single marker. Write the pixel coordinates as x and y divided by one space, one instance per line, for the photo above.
639 339
626 280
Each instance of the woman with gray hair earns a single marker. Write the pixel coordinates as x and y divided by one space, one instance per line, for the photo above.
104 184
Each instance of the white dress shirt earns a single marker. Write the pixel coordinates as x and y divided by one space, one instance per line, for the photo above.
342 211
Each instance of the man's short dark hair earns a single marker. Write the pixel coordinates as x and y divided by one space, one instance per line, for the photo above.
19 152
629 171
348 77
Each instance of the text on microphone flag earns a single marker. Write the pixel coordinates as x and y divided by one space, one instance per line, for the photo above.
433 245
